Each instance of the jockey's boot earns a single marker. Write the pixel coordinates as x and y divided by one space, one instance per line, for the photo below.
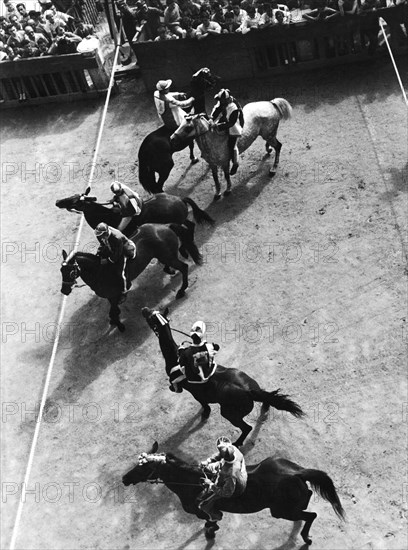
235 162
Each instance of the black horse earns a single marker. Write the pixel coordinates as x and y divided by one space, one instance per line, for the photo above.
156 152
274 483
233 389
161 208
152 241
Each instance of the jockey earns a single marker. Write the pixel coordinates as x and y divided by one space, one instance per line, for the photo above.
228 114
196 359
117 249
128 201
170 105
228 468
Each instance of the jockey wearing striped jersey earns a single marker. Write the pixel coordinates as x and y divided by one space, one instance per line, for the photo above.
228 114
196 360
170 105
128 201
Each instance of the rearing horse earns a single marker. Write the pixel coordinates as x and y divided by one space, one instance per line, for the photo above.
161 208
233 389
260 119
152 241
156 151
274 483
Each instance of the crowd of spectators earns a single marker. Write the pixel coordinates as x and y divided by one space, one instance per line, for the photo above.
51 31
157 20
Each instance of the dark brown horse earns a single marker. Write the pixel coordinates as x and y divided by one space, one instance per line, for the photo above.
156 152
274 483
161 208
152 241
233 389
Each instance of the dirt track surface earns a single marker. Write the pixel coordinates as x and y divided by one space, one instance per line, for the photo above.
303 287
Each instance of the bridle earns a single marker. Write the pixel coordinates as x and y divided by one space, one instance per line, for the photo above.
158 481
73 274
163 321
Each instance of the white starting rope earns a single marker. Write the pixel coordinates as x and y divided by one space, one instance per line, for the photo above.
404 95
62 312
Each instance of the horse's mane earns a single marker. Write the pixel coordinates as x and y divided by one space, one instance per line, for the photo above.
173 460
88 255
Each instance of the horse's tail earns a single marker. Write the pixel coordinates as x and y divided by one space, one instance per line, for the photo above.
200 216
187 242
147 176
324 486
283 106
278 401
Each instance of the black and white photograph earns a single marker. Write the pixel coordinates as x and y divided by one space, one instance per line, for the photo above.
204 274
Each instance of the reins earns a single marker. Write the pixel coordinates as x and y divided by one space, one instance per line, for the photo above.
158 481
180 331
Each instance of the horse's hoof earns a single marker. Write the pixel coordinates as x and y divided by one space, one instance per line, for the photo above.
272 173
169 270
194 160
227 193
180 294
217 197
121 327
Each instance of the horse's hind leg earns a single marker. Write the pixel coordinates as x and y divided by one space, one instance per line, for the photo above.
190 227
277 145
183 268
114 314
228 179
308 518
193 158
214 171
164 173
236 418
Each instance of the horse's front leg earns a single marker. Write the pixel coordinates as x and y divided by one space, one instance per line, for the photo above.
114 314
214 170
193 158
277 146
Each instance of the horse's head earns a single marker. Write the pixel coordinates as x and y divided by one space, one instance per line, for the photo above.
75 202
203 80
155 319
70 272
191 127
147 468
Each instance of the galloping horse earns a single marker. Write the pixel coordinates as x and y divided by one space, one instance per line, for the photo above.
233 389
152 241
260 119
277 484
156 152
161 208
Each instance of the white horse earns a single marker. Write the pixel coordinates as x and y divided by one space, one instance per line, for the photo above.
261 118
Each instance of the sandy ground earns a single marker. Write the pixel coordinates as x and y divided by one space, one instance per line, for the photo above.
303 287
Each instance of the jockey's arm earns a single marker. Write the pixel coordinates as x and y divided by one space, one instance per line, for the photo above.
133 202
117 252
213 458
216 112
183 104
227 489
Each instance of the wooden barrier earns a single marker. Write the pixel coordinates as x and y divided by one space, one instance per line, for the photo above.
260 52
51 79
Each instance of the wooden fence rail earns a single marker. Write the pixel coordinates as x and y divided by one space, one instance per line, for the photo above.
267 51
51 78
